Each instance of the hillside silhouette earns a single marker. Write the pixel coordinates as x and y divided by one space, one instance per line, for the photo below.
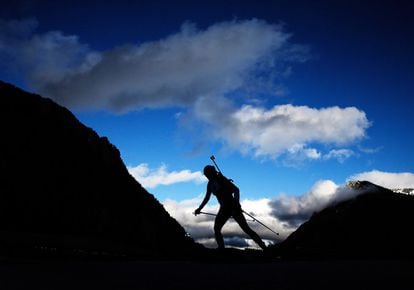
374 224
64 189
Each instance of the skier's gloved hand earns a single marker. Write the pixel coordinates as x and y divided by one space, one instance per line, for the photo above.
197 211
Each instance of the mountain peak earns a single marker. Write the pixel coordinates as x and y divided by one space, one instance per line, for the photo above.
375 223
365 186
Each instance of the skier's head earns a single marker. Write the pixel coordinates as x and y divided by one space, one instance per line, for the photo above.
210 172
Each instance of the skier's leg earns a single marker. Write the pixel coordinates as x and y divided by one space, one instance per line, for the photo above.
241 220
221 218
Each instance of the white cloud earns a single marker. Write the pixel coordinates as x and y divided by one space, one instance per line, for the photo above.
294 210
390 180
201 227
370 150
43 58
339 154
284 128
150 178
173 71
299 153
283 213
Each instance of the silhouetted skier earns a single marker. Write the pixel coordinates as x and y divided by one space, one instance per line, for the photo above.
228 196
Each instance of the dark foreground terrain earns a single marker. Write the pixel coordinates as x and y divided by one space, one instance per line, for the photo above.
271 274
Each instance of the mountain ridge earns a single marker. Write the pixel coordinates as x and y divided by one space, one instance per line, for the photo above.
60 179
373 224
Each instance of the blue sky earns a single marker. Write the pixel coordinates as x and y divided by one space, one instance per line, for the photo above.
292 97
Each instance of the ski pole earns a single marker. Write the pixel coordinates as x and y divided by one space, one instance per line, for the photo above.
256 220
213 214
207 213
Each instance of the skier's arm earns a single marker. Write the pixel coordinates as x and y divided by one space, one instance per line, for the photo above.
204 202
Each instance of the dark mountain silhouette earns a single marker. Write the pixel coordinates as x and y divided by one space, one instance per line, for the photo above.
374 224
65 189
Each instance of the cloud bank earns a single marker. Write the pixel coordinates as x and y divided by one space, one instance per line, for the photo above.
389 180
285 128
151 178
200 227
200 70
282 213
172 71
43 59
